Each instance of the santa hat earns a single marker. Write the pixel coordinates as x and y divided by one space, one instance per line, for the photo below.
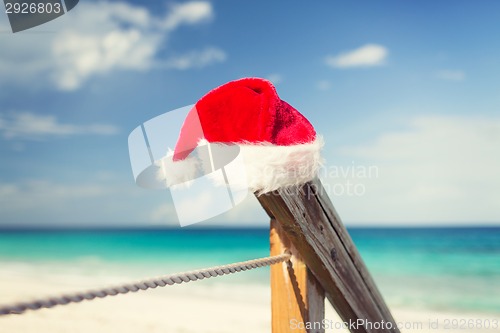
279 146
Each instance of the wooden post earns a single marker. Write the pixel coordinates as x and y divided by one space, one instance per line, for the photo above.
308 219
297 300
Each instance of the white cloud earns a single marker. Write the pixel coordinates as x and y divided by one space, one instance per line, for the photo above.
451 75
30 195
97 39
188 13
442 169
247 213
30 126
163 214
196 59
102 201
79 56
93 201
366 56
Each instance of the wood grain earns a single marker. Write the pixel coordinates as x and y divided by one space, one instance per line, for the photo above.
312 226
297 299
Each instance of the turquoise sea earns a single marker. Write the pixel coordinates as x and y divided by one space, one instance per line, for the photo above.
436 269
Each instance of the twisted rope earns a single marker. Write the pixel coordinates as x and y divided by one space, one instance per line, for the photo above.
163 281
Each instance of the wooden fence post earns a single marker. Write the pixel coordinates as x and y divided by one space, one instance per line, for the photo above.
309 221
297 299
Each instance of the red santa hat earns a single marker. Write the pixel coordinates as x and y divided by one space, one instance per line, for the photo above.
279 146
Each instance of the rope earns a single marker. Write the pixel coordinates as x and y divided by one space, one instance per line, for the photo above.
163 281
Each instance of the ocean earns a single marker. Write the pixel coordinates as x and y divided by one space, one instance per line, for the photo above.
436 269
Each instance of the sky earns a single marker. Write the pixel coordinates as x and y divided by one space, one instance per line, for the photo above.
406 95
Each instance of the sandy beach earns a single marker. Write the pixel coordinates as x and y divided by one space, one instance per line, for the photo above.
427 289
207 306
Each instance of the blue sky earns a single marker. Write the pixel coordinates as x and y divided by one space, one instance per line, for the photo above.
412 88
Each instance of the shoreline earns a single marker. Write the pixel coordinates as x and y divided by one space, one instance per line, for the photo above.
192 307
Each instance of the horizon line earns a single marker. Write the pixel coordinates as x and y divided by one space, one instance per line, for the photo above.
221 227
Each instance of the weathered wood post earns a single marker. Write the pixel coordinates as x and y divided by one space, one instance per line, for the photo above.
296 296
304 221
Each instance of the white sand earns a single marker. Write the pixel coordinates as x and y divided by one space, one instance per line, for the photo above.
195 307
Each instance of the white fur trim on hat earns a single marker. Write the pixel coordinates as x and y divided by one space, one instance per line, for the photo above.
270 167
267 167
